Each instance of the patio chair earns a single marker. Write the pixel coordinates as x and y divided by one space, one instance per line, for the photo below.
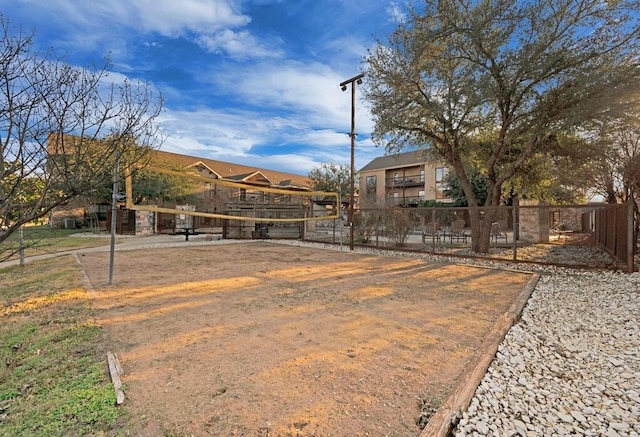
431 232
498 232
559 230
457 231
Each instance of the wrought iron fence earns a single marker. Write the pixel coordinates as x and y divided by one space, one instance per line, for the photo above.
536 233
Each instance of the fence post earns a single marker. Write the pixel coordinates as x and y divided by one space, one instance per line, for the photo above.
631 244
435 229
377 227
514 218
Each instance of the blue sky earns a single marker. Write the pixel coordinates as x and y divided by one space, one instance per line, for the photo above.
253 82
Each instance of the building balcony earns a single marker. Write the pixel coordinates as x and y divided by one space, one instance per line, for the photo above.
404 182
408 201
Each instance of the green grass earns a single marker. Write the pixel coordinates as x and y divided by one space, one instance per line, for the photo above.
43 232
39 240
53 377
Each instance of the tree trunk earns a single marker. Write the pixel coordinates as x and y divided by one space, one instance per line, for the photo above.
481 221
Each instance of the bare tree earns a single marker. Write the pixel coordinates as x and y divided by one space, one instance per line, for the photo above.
61 129
398 224
497 80
616 176
615 173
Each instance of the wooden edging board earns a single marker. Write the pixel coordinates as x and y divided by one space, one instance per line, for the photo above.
114 371
459 398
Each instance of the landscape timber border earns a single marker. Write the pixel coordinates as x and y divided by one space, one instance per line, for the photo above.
459 398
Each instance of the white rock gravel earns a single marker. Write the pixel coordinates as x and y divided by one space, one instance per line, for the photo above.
570 366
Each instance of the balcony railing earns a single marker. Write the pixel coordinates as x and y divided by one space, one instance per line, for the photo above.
411 201
409 181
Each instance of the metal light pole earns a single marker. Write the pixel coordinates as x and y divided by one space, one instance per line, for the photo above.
114 215
354 80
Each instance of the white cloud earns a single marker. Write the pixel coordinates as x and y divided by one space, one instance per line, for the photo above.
171 18
396 13
214 131
239 45
237 137
308 91
215 24
294 103
154 44
167 17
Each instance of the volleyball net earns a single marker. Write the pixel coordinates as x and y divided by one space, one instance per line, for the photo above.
189 195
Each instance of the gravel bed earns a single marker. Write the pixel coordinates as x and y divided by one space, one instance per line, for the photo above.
570 366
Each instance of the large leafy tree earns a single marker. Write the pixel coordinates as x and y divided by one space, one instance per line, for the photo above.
332 177
557 176
512 73
62 128
455 192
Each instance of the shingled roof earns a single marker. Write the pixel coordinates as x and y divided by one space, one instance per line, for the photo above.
397 160
230 171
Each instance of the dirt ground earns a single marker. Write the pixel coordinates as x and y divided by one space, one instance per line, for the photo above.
261 339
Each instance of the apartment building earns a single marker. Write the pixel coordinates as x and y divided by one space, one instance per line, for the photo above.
402 179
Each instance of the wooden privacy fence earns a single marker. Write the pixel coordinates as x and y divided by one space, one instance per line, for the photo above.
125 221
613 227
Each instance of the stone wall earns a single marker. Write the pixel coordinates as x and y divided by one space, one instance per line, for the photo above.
145 222
533 222
570 217
537 218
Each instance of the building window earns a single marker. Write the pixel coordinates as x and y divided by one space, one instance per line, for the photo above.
441 175
396 176
422 176
421 195
372 182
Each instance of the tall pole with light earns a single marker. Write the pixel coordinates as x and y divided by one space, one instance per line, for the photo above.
353 81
